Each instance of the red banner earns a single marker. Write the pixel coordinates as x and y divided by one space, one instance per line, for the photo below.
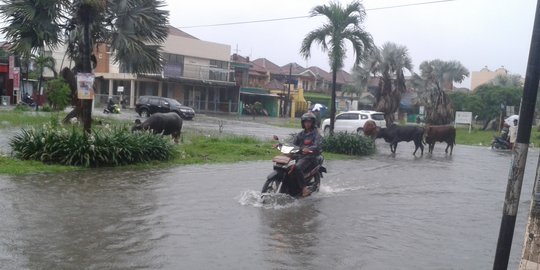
11 60
16 79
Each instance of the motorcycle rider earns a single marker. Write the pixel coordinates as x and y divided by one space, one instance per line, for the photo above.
309 140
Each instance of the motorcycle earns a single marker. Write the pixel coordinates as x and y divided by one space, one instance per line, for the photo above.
27 100
283 179
500 143
114 108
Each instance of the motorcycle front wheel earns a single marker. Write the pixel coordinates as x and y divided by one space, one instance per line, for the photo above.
271 186
315 182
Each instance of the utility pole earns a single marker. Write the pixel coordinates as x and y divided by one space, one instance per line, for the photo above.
287 101
519 159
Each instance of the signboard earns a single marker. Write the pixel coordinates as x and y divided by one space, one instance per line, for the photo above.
421 110
463 118
120 89
16 78
85 86
510 110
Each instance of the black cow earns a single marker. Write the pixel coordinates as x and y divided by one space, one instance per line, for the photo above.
161 123
395 134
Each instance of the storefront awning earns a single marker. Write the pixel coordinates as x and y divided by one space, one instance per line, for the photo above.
256 92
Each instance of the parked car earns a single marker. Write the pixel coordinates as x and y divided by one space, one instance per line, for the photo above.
353 121
148 105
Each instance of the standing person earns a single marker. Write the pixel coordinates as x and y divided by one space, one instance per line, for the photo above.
317 114
309 140
513 133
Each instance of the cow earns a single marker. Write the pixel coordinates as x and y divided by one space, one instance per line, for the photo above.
161 123
395 134
435 134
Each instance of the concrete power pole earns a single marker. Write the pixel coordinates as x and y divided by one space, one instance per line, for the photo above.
519 159
530 256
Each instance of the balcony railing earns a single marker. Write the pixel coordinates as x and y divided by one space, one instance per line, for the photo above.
196 72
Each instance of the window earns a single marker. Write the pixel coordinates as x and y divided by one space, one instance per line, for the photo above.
347 116
218 70
377 116
363 116
173 66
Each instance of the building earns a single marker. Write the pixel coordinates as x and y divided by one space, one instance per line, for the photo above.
485 75
197 73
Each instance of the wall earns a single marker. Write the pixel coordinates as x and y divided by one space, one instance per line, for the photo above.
197 48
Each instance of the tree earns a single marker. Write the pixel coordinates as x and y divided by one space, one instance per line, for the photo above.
393 60
43 61
344 23
493 96
435 77
507 80
132 28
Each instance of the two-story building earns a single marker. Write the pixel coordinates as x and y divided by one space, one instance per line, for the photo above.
195 72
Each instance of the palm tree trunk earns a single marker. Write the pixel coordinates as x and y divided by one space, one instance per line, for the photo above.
333 105
86 104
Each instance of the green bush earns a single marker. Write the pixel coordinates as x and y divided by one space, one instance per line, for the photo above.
46 109
22 108
349 144
104 147
58 94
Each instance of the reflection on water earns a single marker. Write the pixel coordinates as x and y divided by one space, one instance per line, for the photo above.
292 235
382 212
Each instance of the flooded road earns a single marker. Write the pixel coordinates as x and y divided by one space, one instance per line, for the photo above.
382 212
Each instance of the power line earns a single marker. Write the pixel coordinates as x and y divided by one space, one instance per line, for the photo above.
303 17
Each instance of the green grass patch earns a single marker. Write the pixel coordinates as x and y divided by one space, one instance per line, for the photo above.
12 166
17 118
484 137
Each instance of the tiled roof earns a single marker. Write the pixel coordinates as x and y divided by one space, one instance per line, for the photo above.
173 31
274 85
296 69
268 65
321 72
343 77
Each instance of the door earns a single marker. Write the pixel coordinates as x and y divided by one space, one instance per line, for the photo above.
343 122
197 100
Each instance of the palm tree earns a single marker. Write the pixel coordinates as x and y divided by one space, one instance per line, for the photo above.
344 23
435 77
393 60
133 29
43 61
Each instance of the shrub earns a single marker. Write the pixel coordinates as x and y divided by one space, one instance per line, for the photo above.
58 94
350 144
104 147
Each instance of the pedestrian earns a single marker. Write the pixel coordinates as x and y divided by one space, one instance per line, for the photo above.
513 133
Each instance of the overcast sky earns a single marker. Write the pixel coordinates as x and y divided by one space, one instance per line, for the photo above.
477 33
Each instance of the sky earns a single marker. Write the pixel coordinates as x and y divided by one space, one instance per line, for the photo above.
477 33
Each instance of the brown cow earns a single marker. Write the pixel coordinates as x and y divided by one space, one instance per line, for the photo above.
440 134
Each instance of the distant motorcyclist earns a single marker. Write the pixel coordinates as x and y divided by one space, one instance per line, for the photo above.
309 140
110 104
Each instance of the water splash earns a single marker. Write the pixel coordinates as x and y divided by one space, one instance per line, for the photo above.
331 190
269 201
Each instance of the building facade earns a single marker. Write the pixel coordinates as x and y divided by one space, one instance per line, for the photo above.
485 75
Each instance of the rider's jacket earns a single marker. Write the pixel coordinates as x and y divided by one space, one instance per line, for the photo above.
312 140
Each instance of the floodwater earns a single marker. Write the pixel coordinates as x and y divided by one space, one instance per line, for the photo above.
381 212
